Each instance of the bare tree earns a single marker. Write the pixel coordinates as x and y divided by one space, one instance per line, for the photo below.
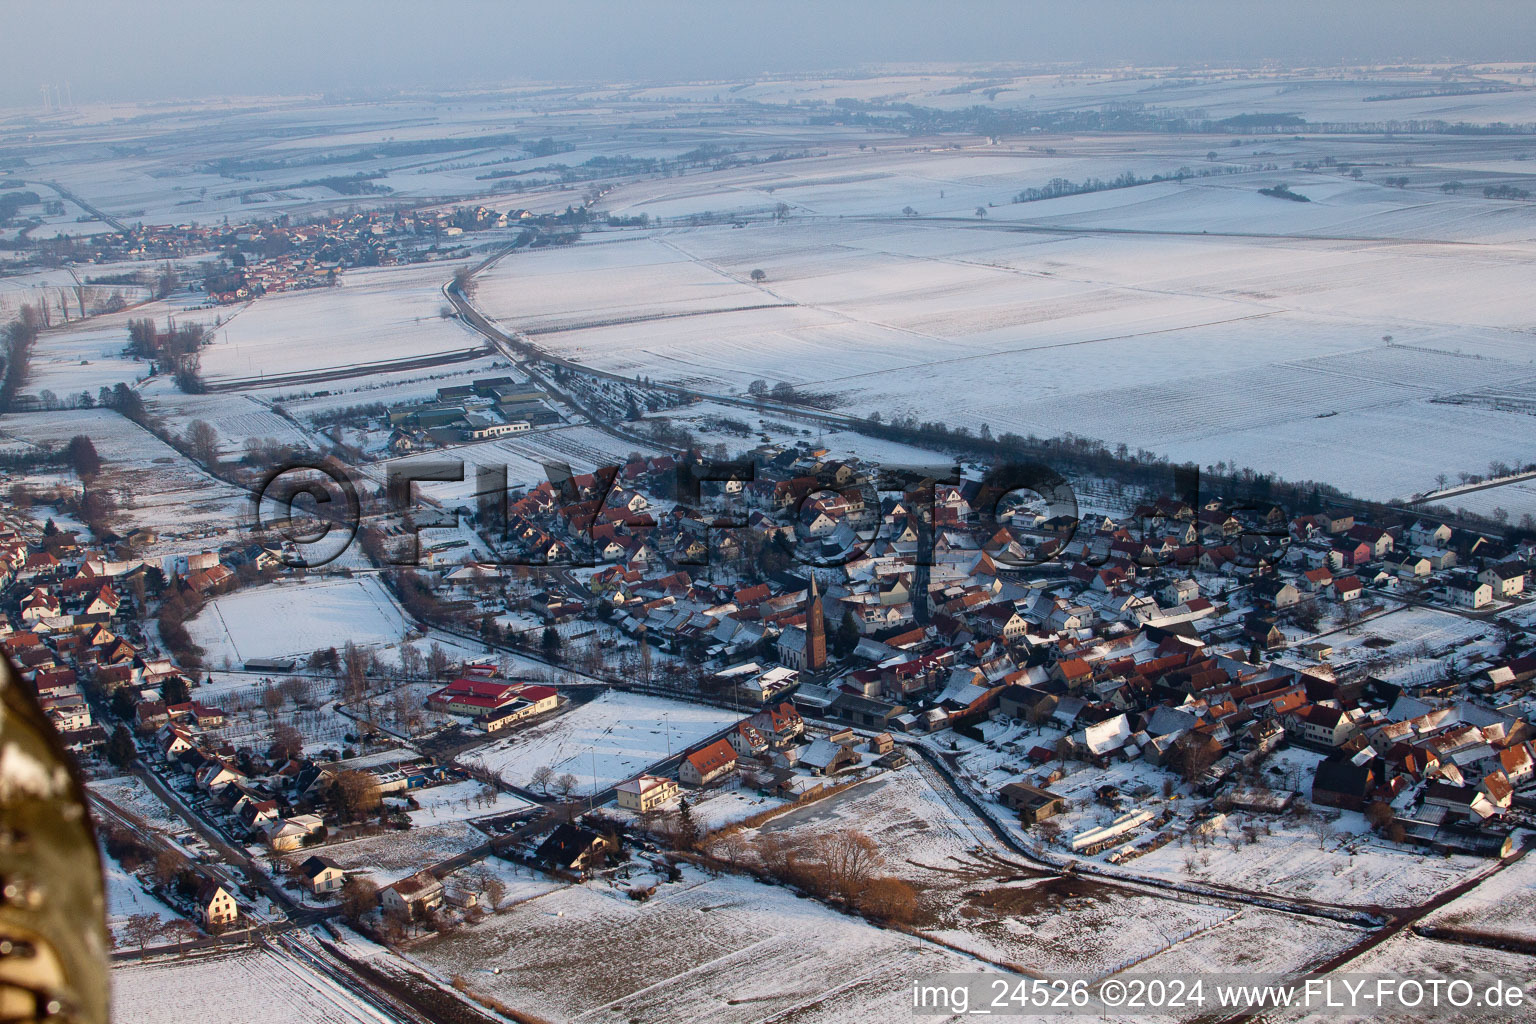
494 889
464 281
203 442
850 858
358 897
437 662
542 777
141 929
168 866
287 741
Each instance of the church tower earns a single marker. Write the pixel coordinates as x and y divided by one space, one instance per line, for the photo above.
815 632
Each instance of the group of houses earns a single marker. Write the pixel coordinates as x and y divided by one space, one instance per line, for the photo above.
1180 633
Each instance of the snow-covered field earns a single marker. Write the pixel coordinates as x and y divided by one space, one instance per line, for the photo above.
1263 342
154 485
723 949
1406 955
297 618
610 739
1348 868
253 986
241 421
377 315
1005 911
460 800
1502 906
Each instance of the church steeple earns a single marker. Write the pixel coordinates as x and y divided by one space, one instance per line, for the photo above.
815 631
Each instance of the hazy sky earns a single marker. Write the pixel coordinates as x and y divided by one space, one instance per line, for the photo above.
154 49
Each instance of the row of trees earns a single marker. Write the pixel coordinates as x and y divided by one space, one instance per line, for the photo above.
20 337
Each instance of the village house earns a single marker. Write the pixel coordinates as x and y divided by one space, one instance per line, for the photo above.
1471 594
412 897
572 848
1506 579
216 906
645 793
321 874
1339 782
707 764
1322 727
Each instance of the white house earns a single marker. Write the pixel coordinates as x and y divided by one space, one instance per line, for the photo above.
1506 579
1470 593
216 906
1436 535
321 874
645 793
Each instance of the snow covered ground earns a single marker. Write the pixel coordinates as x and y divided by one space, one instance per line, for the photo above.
376 315
129 794
723 949
458 801
253 986
1264 341
391 855
126 896
297 618
610 739
154 485
1502 906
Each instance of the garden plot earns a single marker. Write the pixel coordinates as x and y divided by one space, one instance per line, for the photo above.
252 986
610 739
1409 628
375 317
390 855
1501 907
296 619
724 949
320 722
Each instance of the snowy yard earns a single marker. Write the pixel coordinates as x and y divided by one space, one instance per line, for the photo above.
126 896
